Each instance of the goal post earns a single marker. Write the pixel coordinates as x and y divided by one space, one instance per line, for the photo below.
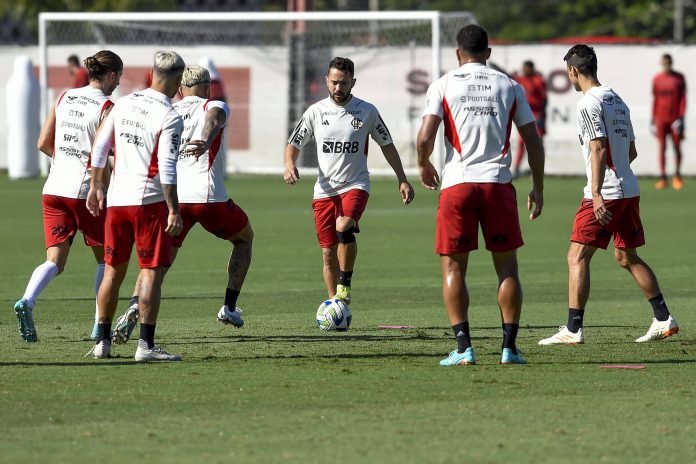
271 66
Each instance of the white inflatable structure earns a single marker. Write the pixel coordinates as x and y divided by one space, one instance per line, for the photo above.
23 100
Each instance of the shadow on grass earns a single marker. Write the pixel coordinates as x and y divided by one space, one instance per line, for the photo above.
69 364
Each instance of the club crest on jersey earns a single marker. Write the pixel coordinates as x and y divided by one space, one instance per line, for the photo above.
71 99
608 100
356 123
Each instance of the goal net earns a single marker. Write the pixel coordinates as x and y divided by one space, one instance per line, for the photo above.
270 66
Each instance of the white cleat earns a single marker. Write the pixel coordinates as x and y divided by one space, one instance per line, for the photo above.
145 354
564 337
228 317
101 350
660 330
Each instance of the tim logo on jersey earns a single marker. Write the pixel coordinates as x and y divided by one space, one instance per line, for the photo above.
337 148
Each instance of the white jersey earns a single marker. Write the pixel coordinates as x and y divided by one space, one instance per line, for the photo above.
341 134
200 180
478 106
145 131
602 113
78 115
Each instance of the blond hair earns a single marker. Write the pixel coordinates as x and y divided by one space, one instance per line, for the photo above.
167 63
194 75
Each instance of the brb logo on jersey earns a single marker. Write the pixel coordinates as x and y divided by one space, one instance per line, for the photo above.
337 148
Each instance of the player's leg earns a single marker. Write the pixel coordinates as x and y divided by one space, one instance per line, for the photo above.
329 256
456 298
677 181
509 302
107 301
237 268
347 253
661 129
98 277
325 214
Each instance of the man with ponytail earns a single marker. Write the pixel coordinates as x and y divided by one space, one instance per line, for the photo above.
67 136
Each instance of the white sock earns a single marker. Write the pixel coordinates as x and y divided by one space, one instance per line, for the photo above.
39 279
98 277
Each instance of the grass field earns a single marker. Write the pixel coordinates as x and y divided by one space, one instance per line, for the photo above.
279 390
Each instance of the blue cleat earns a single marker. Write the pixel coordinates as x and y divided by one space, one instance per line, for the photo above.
25 319
95 332
511 357
459 359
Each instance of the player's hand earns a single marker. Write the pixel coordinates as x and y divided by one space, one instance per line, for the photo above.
291 175
197 147
429 177
95 200
407 193
678 127
601 212
535 199
174 224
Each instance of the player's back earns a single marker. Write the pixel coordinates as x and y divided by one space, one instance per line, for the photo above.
78 115
200 180
478 106
603 113
138 120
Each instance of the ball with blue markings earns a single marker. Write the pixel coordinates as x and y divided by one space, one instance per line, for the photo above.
334 315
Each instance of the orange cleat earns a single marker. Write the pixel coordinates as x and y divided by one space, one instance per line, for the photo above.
661 184
677 182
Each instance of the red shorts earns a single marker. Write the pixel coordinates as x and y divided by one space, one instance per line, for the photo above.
625 225
463 206
63 217
664 128
143 225
222 219
326 210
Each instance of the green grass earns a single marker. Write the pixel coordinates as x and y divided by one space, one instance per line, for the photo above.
279 390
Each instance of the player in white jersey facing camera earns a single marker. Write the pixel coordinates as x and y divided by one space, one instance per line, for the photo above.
202 194
478 106
145 131
341 125
67 137
610 204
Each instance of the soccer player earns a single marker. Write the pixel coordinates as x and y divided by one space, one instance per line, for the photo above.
79 74
67 136
478 106
341 125
610 204
535 90
669 106
202 194
144 130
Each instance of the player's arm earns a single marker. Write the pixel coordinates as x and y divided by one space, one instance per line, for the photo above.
103 143
106 174
632 152
291 175
536 160
299 138
215 120
391 154
598 158
169 140
653 130
48 134
425 143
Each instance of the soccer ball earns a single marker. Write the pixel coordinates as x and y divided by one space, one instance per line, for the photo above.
334 315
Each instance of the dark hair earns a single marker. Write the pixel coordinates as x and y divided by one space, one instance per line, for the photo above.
667 56
528 63
74 60
342 64
583 58
472 39
101 63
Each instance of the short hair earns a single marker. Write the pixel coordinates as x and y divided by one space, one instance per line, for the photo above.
101 63
194 75
667 56
528 63
472 39
583 58
342 64
168 63
74 60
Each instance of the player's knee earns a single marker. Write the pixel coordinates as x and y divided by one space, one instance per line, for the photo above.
245 237
329 255
346 236
622 259
344 223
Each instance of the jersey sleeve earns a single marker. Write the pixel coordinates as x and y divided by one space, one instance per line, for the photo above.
303 131
523 113
434 98
682 97
590 115
169 140
380 133
210 104
103 142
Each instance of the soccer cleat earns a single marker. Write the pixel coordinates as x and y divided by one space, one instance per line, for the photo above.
460 359
101 350
677 182
145 354
95 332
511 357
25 319
660 330
125 325
228 317
661 184
564 337
343 293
